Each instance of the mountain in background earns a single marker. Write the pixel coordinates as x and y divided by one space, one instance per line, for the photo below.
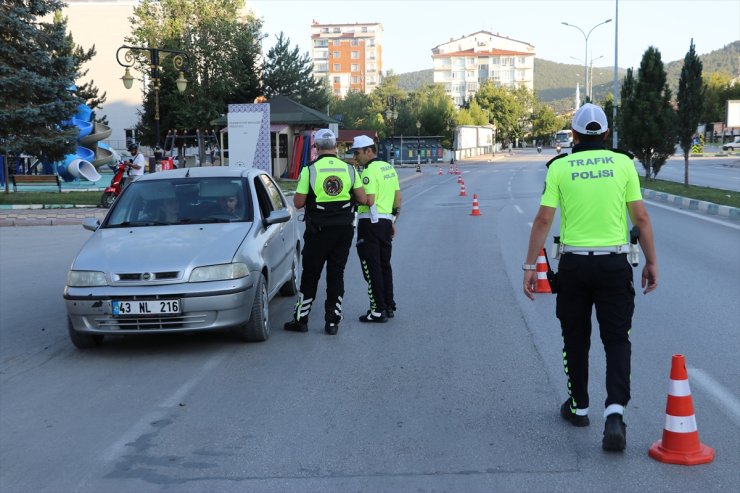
555 83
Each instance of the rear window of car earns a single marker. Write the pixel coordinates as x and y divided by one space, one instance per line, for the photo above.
182 201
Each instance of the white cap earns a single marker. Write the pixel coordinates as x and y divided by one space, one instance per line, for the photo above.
588 114
360 142
325 139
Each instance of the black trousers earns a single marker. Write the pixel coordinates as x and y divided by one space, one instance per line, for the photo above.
603 281
374 247
327 245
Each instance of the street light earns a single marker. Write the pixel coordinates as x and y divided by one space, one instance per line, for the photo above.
585 58
589 75
180 61
391 115
418 147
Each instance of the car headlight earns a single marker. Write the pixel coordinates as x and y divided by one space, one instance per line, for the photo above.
86 278
222 272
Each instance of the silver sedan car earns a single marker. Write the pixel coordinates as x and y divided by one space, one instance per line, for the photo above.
185 250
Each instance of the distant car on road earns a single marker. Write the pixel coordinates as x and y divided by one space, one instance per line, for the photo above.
185 250
732 146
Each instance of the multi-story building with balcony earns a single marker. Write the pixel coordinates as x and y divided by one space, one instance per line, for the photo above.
348 56
463 64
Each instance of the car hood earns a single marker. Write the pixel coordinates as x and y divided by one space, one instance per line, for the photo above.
161 248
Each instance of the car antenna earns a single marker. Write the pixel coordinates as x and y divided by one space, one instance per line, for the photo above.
187 174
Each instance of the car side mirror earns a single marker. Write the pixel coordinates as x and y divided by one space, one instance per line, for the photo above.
279 216
91 223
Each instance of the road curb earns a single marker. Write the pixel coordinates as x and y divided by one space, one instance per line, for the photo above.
708 208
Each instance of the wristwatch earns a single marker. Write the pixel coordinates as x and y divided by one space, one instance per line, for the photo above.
529 266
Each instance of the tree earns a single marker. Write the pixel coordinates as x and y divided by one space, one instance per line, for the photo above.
223 48
647 119
36 72
608 106
545 122
353 110
288 73
690 104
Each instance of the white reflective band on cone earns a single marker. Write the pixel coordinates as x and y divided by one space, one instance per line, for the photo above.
541 259
679 388
542 275
680 424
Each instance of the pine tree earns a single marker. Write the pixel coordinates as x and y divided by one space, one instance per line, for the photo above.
288 73
36 72
647 119
690 104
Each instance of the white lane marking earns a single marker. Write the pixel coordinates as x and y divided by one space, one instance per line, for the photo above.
518 209
723 398
694 214
406 201
144 425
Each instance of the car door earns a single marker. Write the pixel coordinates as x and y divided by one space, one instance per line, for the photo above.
275 252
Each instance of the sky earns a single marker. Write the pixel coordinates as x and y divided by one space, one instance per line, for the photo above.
413 27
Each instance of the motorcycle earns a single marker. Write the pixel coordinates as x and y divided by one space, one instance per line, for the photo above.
539 149
116 185
557 148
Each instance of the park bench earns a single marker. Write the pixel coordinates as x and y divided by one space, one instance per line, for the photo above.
35 180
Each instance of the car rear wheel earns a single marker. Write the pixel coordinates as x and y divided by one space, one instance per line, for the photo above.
290 288
81 340
258 327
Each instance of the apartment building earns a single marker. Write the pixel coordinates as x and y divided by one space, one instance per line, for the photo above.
348 56
463 64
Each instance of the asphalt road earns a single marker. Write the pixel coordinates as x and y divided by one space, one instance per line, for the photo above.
459 392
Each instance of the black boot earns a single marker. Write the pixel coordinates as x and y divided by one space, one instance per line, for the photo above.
615 433
569 415
296 325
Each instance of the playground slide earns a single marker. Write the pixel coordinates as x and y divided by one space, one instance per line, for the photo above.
89 155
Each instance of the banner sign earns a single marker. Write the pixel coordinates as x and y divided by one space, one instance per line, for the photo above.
249 136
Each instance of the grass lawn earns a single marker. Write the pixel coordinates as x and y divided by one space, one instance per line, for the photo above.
714 195
80 198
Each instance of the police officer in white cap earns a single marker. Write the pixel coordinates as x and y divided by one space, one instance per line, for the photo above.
329 188
594 188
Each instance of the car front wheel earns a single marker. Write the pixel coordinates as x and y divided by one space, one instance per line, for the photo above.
81 340
258 327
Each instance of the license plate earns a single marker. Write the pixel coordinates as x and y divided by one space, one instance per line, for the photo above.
149 307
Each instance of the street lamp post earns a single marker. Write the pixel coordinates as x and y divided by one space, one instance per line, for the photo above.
418 146
391 115
180 61
585 58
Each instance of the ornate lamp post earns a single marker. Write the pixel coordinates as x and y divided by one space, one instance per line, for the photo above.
180 61
585 58
391 115
418 147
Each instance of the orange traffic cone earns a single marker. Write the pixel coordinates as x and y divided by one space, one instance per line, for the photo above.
439 172
457 170
450 171
543 285
462 190
459 179
680 443
476 210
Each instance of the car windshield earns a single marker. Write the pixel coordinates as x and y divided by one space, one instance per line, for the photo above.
181 201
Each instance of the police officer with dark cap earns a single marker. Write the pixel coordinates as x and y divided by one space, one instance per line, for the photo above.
595 188
329 188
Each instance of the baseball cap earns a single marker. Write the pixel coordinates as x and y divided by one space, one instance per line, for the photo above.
325 138
360 142
588 114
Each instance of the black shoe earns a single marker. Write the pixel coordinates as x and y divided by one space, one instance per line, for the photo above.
567 414
374 317
296 326
331 328
615 433
390 312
